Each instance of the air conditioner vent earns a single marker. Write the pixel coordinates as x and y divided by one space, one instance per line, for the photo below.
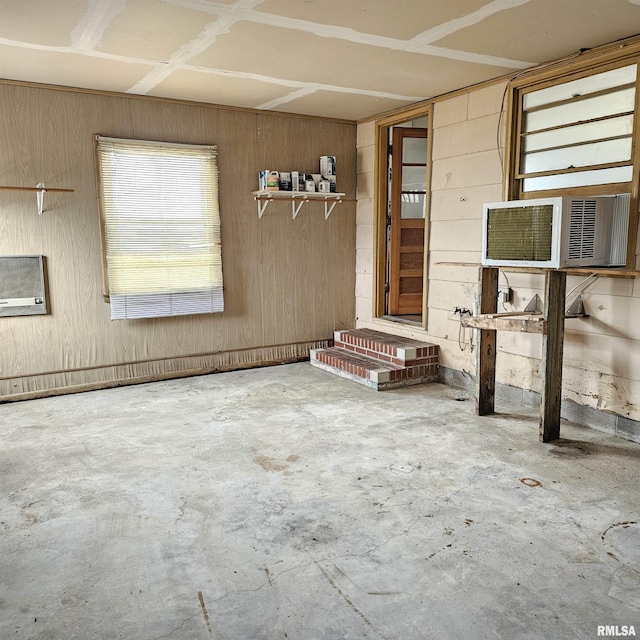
582 229
524 233
620 229
22 286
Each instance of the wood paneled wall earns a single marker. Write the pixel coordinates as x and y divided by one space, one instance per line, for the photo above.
288 283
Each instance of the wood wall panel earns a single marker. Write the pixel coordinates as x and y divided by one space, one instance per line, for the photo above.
286 281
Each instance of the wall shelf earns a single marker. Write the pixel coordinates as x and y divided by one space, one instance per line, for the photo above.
297 199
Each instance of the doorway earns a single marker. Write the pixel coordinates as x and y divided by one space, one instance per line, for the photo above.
405 204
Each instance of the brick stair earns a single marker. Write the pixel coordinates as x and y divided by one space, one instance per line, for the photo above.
378 360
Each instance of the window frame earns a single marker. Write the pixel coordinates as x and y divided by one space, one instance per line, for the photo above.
582 65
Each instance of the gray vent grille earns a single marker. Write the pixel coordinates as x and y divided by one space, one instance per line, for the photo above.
22 286
582 230
620 229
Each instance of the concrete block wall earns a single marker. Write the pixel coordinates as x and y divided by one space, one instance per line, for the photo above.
602 352
466 172
365 162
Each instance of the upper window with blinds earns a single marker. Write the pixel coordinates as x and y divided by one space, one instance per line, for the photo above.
577 133
160 225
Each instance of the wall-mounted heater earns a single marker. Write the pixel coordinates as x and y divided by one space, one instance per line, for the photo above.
556 232
22 286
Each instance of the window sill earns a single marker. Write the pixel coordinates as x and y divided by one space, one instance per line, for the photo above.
613 272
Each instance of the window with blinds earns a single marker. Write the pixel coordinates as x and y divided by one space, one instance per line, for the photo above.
160 228
578 133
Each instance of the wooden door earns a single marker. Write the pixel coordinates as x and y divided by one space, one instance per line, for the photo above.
408 211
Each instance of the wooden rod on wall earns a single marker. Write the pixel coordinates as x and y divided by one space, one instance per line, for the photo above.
40 190
36 189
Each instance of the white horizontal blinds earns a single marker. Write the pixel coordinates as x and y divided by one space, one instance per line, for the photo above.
579 133
161 225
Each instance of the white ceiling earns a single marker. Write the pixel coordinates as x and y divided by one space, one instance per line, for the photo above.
336 58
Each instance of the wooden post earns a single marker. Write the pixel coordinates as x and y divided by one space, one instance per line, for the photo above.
552 347
486 354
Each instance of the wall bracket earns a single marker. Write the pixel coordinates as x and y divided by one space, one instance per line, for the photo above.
297 198
40 190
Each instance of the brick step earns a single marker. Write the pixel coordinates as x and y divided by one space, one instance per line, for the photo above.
372 372
387 347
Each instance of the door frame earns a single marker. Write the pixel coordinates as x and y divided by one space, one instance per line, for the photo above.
380 199
396 299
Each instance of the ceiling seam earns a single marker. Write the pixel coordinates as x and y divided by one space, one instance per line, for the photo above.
294 84
50 48
415 45
383 42
294 95
447 28
300 84
203 41
95 22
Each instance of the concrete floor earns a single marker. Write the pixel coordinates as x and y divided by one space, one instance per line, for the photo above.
288 503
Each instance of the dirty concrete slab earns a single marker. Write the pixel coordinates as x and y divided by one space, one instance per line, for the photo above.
287 503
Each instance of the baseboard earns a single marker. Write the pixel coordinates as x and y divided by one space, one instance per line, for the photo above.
606 421
54 383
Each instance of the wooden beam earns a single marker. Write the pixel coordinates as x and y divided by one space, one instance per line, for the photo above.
612 272
486 354
511 314
525 324
552 348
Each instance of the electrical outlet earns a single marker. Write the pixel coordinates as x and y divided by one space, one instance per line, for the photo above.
504 295
462 311
459 312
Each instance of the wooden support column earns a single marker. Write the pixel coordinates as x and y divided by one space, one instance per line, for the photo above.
486 354
552 347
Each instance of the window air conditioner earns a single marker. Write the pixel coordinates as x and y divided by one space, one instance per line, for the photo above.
556 232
